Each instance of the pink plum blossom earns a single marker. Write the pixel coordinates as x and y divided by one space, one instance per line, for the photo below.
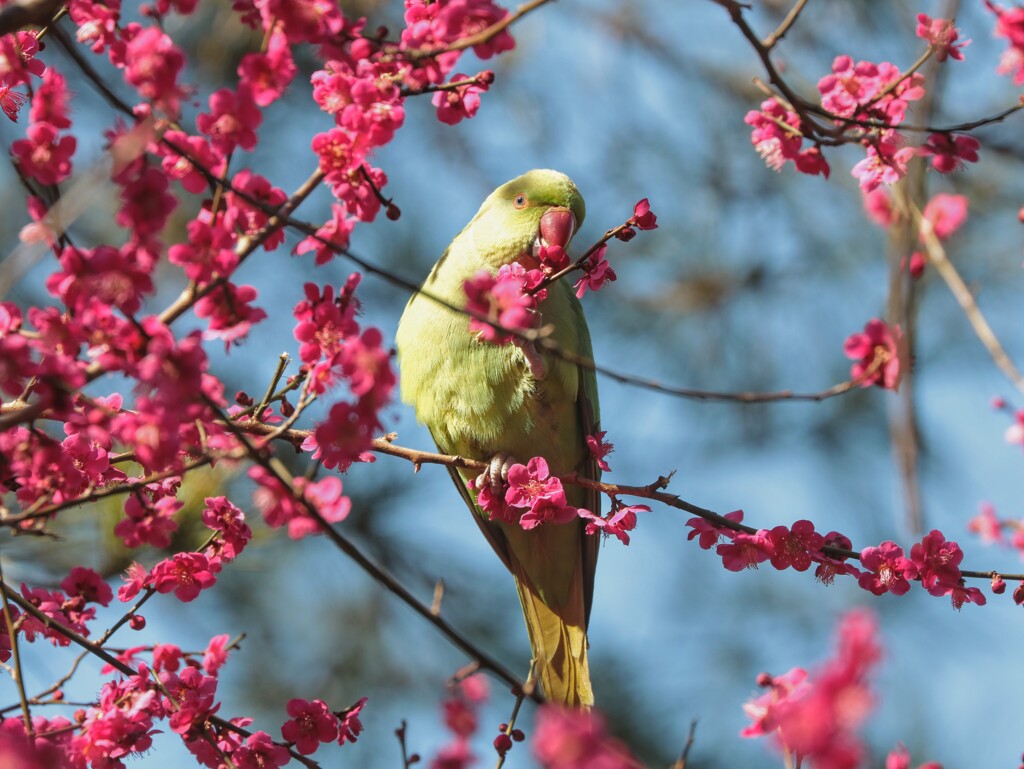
876 349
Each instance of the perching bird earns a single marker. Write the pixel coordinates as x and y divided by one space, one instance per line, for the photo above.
492 402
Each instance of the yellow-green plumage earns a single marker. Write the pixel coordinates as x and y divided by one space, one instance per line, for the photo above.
480 400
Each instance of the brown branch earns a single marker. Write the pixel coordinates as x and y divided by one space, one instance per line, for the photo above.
281 474
26 13
735 11
773 39
244 247
684 756
937 257
654 491
19 679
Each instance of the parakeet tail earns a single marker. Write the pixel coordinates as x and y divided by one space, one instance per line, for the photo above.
559 645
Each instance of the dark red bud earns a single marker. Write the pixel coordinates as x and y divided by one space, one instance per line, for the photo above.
626 235
503 743
1018 594
393 212
517 735
764 679
998 585
137 622
486 77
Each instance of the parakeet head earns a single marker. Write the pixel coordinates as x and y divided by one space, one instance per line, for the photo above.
541 207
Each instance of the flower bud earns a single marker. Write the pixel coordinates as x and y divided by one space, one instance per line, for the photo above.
1018 594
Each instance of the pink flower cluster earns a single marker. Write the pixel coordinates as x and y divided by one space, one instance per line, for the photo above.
817 717
577 739
778 139
506 300
533 497
461 712
311 723
943 36
454 104
45 155
1010 25
596 270
868 103
794 547
934 561
180 689
333 350
281 508
68 606
187 574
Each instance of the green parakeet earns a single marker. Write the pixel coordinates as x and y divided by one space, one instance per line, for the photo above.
485 401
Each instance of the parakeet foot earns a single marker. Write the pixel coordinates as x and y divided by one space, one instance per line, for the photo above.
496 473
533 359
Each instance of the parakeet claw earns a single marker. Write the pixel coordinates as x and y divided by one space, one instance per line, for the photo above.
533 359
496 473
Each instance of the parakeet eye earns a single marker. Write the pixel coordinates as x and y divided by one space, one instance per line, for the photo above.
520 201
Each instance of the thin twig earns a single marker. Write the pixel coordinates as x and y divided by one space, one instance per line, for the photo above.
654 491
773 39
937 257
282 475
97 650
481 37
12 634
685 755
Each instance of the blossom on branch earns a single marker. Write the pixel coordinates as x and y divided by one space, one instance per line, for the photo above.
950 151
817 716
778 139
944 214
599 448
577 739
44 155
888 570
232 120
942 36
619 522
876 351
455 104
1010 25
267 75
596 272
503 300
187 574
745 551
708 534
310 724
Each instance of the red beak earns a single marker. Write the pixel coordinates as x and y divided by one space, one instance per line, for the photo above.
557 227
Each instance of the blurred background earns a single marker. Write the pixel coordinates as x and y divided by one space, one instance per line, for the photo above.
752 281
